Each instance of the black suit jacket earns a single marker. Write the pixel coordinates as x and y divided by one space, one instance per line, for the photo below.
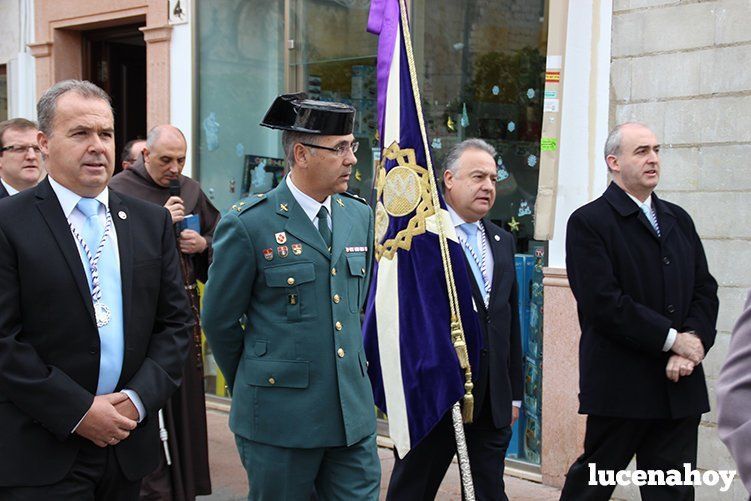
499 379
49 342
631 287
3 192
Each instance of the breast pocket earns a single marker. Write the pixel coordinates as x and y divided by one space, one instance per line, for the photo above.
294 283
357 268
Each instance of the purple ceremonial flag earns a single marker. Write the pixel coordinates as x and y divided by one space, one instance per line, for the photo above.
414 367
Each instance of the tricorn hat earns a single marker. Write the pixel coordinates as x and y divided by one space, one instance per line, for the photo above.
295 112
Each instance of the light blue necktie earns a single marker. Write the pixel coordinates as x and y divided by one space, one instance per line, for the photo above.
470 229
111 336
651 217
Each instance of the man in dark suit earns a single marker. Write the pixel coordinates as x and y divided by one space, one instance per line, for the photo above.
469 187
647 308
20 156
94 320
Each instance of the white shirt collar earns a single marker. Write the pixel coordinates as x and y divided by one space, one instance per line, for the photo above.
10 189
69 200
457 219
638 202
310 205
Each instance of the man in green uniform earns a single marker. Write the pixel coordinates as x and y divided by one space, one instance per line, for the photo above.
295 263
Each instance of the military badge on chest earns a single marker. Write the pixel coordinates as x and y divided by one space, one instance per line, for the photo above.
282 250
296 249
268 254
281 238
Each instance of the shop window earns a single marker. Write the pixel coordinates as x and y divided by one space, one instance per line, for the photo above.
241 71
481 68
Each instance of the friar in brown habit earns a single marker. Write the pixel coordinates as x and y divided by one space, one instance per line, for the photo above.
149 178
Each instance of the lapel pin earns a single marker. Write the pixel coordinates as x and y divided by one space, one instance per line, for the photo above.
122 215
339 201
296 249
497 238
284 207
281 237
268 254
282 250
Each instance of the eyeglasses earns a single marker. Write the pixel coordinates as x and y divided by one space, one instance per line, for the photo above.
340 150
20 149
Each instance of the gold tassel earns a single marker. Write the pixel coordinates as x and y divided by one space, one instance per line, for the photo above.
457 337
468 409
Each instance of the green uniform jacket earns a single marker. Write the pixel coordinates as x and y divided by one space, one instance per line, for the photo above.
295 365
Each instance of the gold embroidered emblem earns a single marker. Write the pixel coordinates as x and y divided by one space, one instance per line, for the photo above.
404 190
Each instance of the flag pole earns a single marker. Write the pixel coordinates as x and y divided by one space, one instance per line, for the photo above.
458 416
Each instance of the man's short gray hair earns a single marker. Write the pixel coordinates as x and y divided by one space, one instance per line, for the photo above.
613 142
452 159
290 138
48 102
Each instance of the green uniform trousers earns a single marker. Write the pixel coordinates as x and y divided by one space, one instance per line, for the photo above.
290 474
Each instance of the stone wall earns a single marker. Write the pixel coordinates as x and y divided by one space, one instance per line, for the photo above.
682 67
9 27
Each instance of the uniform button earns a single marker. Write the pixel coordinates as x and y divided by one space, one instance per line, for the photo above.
337 298
340 352
333 271
290 281
272 380
338 326
666 260
671 308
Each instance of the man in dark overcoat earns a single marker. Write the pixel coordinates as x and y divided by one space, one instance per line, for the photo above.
647 308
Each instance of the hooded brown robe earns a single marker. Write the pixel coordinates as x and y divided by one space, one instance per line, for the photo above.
185 413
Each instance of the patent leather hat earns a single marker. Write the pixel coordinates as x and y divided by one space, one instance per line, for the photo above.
294 112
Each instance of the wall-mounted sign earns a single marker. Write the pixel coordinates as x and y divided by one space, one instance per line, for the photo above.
179 11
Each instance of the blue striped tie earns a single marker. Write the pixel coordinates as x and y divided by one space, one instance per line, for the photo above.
651 217
474 260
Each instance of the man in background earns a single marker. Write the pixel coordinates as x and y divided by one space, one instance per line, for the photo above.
157 178
132 151
469 186
20 156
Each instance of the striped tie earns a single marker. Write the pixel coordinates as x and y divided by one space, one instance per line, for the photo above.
651 217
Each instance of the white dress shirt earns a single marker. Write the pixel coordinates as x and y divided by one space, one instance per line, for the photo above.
310 205
10 189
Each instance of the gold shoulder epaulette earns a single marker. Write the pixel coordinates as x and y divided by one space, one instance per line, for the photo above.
248 202
355 197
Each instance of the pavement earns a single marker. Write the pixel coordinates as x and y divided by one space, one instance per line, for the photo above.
230 483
